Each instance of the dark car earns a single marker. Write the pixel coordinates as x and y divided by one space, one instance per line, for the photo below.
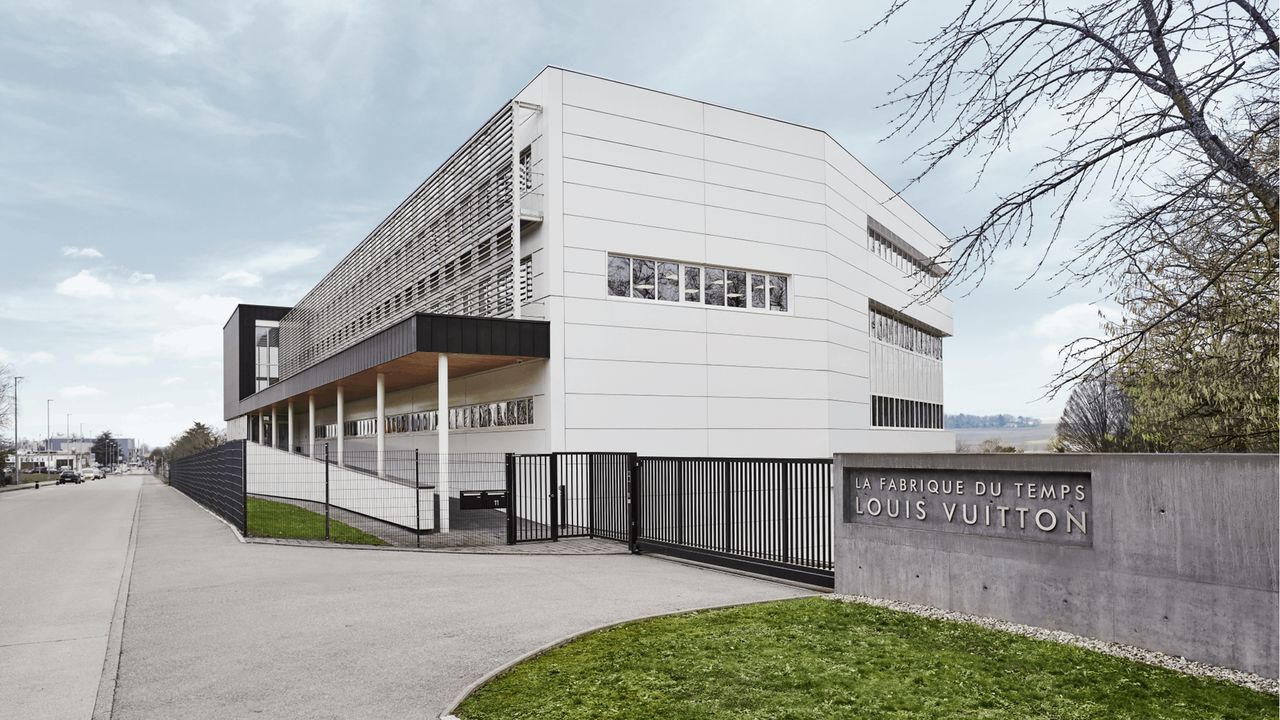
69 476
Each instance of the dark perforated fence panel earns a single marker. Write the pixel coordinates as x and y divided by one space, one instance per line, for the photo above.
215 479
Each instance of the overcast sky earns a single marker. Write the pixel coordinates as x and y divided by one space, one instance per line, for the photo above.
160 162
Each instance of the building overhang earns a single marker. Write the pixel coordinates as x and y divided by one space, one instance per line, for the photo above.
407 353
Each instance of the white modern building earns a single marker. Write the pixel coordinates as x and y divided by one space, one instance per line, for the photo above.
606 267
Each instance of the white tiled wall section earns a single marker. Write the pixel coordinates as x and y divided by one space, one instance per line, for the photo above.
651 175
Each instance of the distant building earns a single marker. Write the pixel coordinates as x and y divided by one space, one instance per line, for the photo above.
127 446
605 267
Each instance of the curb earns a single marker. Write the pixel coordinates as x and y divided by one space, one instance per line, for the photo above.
104 703
448 713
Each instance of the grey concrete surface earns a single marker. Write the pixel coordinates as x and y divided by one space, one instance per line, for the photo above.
1183 558
221 629
62 552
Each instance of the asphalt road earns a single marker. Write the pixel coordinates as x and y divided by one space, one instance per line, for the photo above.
217 628
62 555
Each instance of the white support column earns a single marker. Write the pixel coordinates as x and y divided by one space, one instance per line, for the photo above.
341 424
262 427
275 428
442 440
380 423
290 448
311 426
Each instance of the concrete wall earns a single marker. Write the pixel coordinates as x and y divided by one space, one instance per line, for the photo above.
1181 554
643 173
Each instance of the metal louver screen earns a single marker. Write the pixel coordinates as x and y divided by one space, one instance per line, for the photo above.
446 249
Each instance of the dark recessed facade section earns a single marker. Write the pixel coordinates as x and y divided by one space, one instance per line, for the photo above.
237 352
483 336
419 333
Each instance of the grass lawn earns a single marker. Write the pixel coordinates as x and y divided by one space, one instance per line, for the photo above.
814 658
268 518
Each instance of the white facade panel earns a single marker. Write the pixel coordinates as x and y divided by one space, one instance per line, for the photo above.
644 210
765 132
621 129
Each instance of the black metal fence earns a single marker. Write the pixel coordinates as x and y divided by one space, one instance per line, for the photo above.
215 479
770 516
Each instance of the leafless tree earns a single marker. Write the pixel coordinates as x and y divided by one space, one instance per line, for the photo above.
6 398
1168 106
1135 83
1096 417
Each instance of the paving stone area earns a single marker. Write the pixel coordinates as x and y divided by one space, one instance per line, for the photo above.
568 546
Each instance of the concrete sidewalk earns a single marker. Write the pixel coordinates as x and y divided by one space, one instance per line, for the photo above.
62 552
219 628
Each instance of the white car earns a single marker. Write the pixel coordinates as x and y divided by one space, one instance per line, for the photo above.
91 473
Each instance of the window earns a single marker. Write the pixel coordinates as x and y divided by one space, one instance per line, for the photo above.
670 281
757 291
735 284
692 283
894 331
894 252
526 279
266 358
642 279
619 276
483 415
903 413
778 293
715 286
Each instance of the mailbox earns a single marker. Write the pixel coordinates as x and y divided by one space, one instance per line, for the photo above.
482 499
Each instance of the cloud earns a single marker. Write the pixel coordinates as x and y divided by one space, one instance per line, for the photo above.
76 391
21 359
113 358
141 277
1067 324
171 380
79 252
283 258
83 285
243 278
188 107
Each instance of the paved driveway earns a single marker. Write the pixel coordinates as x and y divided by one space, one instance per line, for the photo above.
62 553
220 629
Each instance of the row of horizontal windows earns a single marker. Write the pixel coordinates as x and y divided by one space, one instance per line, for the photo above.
903 413
670 281
889 251
505 413
891 330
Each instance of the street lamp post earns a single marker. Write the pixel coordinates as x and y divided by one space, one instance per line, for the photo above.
48 434
17 462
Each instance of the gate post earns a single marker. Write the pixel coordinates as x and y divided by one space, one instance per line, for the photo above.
555 497
417 501
511 499
326 490
244 486
786 511
633 503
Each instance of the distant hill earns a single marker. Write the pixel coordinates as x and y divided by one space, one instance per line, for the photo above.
961 421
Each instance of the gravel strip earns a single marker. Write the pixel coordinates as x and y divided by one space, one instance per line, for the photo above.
1128 652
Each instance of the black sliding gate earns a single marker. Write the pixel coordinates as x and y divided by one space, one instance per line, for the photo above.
561 495
768 516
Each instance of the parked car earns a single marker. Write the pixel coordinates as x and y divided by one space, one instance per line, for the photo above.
90 473
69 475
